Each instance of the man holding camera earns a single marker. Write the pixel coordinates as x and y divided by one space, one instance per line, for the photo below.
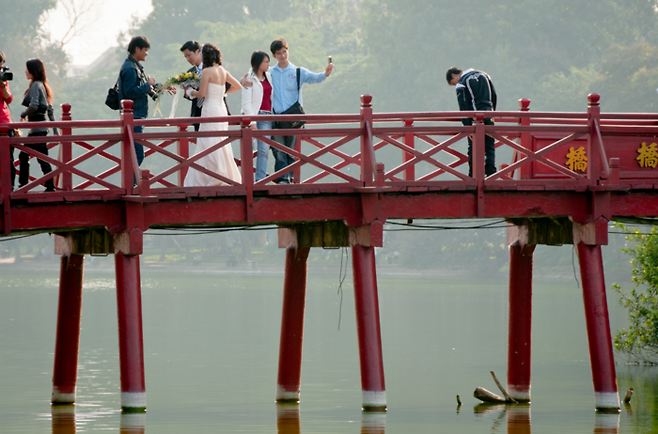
285 93
5 115
134 84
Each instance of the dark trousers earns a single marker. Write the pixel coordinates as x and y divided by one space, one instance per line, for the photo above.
12 168
24 158
489 153
281 159
195 113
139 149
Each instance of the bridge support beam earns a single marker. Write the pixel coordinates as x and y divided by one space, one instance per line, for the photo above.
368 328
598 327
520 321
292 325
67 341
298 240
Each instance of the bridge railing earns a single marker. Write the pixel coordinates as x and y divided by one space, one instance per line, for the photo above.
414 152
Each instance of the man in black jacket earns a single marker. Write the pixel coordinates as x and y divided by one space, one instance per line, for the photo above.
192 52
476 92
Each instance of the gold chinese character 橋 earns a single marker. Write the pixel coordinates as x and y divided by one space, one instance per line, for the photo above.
648 155
576 159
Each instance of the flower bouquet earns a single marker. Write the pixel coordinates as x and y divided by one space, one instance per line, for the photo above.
182 80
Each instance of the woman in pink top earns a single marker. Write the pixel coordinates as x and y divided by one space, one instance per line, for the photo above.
5 115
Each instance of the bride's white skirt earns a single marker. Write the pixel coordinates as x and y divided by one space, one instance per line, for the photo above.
219 161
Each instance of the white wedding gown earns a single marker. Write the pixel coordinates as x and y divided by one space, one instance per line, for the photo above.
220 161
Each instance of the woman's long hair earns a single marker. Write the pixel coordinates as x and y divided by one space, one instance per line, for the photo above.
211 55
257 58
38 71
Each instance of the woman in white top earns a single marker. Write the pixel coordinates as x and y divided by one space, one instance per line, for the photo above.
212 88
257 100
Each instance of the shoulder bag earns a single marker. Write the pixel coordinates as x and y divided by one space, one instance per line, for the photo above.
295 109
112 98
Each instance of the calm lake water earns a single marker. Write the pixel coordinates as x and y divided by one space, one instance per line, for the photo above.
211 352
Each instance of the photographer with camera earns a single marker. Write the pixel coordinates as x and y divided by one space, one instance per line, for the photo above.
134 84
38 100
5 114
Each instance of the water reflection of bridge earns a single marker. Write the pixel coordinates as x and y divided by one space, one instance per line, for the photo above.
516 419
568 175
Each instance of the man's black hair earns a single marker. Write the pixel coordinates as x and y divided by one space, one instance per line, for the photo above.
451 71
278 44
193 46
138 42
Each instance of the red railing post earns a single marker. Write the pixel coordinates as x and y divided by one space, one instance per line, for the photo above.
183 151
5 179
297 171
247 165
593 145
127 146
145 188
477 149
367 150
409 172
525 139
66 154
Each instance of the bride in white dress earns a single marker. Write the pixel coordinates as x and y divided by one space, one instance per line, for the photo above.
213 81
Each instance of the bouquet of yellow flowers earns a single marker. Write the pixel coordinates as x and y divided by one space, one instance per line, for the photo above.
183 80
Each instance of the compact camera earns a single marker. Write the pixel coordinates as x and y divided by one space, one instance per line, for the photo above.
5 75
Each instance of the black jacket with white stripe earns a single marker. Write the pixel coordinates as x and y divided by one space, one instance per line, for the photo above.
475 92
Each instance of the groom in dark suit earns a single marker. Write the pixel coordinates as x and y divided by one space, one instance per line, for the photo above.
192 52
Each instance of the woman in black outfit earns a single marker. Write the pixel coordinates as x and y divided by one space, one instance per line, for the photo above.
38 100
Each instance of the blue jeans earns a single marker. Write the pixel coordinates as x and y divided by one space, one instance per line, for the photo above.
139 149
282 159
263 149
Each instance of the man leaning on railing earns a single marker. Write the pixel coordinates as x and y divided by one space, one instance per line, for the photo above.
476 92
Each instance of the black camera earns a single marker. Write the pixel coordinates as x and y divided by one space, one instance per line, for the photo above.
5 75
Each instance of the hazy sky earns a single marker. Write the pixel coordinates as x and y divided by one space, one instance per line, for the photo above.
101 26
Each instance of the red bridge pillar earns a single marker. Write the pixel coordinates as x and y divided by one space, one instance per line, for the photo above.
520 321
127 247
67 342
292 325
368 329
598 327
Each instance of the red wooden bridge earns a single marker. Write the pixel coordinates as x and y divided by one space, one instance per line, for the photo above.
566 176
